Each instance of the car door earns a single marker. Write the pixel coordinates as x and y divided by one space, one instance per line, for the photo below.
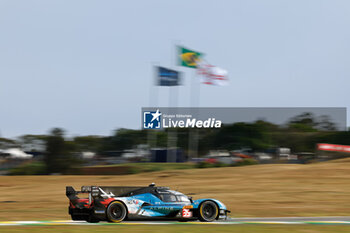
159 207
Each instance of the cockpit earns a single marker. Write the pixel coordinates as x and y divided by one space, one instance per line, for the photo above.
170 197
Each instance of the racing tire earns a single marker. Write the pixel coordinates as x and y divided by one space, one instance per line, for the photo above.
208 211
116 212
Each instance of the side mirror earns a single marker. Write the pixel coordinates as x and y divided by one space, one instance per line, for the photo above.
190 199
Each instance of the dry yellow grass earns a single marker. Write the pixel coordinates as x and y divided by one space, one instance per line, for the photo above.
260 190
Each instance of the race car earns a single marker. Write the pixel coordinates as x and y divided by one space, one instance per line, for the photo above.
117 203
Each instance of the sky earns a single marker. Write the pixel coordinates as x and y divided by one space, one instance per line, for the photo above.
87 66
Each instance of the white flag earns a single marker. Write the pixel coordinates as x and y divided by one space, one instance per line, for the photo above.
213 75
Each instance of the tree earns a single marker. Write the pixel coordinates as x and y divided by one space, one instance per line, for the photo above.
88 143
307 122
304 122
58 156
33 143
238 135
324 123
6 143
124 139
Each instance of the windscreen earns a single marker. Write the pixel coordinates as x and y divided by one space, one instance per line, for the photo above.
174 198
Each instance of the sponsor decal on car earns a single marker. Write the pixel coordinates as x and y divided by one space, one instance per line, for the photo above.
186 213
135 202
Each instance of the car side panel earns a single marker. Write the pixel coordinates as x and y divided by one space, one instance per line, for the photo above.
154 207
196 203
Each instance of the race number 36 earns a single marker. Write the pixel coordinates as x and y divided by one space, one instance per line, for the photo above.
186 213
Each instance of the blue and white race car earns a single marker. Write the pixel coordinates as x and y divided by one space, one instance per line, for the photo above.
117 203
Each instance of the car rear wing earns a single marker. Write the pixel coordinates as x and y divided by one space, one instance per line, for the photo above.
71 193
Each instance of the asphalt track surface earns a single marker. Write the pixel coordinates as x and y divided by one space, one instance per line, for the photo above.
345 220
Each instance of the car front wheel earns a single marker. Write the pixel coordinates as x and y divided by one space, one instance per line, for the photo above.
208 211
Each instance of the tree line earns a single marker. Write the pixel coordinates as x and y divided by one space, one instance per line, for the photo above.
300 133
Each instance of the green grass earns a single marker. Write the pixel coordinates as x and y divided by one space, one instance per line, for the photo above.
181 228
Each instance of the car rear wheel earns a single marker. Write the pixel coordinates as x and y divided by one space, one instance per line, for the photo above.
116 212
208 211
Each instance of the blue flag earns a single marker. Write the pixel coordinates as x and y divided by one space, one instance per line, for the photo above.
167 77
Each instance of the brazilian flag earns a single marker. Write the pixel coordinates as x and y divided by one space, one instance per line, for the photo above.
188 58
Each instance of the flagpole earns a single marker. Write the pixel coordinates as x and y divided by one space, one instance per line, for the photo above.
194 102
198 85
193 134
170 150
153 100
172 134
196 134
173 53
